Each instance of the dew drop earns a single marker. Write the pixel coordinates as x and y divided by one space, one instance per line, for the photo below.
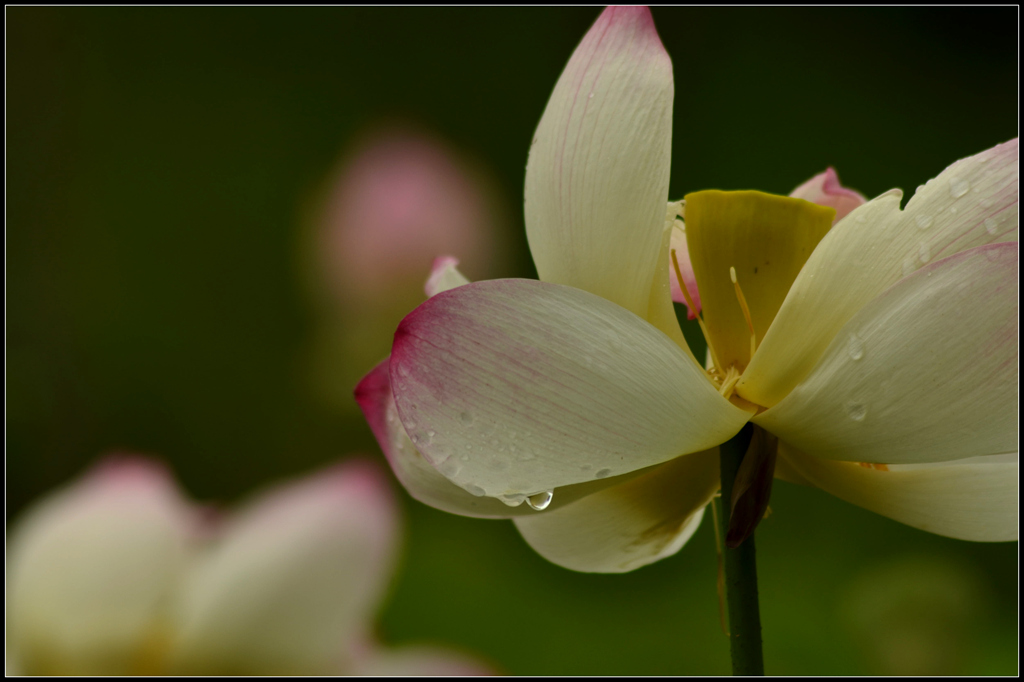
513 499
855 347
924 253
449 468
585 467
602 473
952 209
861 219
958 187
857 411
540 501
923 221
474 490
991 226
590 96
985 203
466 418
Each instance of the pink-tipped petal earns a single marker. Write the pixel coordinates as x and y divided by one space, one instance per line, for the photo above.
444 275
824 189
515 387
926 372
299 570
678 245
91 570
598 169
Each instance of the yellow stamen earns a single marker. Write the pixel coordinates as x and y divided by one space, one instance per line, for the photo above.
746 310
689 302
731 377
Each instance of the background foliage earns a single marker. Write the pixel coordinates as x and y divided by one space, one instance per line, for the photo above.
158 164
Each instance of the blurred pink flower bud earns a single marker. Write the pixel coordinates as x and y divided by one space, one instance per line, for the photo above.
398 201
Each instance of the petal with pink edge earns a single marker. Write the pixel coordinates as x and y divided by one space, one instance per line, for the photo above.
967 499
927 372
91 569
824 189
631 524
971 203
422 480
299 570
444 275
515 387
598 170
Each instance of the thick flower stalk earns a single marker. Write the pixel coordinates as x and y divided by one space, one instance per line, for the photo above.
873 347
118 574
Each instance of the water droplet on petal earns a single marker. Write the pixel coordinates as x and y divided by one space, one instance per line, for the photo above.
860 218
923 221
855 347
857 411
474 490
958 187
602 473
513 499
952 209
448 468
924 253
466 418
985 203
540 501
991 226
590 96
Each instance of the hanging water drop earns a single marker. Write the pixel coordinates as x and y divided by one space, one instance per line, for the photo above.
924 253
540 501
466 418
474 490
923 221
513 499
991 226
602 473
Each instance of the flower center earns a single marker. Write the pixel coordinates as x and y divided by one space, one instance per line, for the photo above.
746 249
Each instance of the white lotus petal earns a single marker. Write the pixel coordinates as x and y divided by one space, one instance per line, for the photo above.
631 524
597 175
515 387
971 203
91 570
926 372
295 574
968 499
416 661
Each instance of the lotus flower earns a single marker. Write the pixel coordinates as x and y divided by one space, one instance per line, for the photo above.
877 356
117 574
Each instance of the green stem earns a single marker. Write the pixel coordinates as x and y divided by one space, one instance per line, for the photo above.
740 571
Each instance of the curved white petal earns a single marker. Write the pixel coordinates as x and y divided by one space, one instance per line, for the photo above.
598 170
971 203
514 387
631 524
294 575
91 571
926 372
968 499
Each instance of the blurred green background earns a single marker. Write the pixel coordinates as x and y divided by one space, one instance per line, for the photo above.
158 163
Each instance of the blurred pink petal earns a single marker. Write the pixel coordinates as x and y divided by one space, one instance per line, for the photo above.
824 189
400 201
91 569
297 572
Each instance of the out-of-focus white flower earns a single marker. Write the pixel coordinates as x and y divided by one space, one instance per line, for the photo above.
118 574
